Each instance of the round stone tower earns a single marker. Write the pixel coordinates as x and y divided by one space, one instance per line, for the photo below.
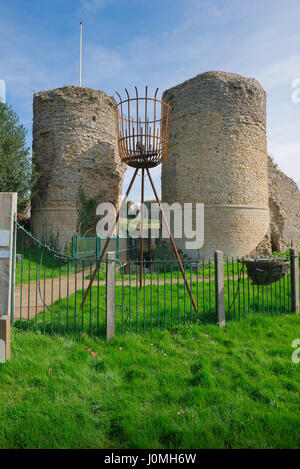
76 155
217 155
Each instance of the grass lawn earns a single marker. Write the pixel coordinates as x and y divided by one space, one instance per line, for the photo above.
192 387
39 264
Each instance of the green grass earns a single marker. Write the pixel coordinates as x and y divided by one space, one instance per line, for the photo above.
39 264
193 387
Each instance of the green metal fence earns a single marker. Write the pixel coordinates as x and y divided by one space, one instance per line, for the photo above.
124 247
50 286
164 301
243 299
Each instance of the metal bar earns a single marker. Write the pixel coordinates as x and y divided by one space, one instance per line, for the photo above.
295 305
209 289
75 307
98 301
228 286
80 56
178 293
191 283
52 278
158 271
68 291
142 228
22 261
184 296
165 297
151 293
146 123
59 294
171 293
44 305
137 297
122 274
130 295
197 280
203 288
28 295
276 298
82 284
144 300
13 273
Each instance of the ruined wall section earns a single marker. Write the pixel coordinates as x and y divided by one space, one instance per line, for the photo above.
74 150
284 202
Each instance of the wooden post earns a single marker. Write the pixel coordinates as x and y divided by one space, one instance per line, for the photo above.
219 286
295 306
110 294
8 209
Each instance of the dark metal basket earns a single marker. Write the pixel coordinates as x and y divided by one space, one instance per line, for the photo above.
266 271
143 130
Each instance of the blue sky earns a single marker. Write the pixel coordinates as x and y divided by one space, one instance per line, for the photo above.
160 43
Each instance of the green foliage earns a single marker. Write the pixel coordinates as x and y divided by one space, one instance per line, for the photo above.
87 213
163 250
16 172
196 387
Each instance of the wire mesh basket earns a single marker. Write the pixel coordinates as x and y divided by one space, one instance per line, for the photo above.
143 129
266 271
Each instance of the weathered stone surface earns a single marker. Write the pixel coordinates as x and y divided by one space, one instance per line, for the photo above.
74 149
284 202
218 155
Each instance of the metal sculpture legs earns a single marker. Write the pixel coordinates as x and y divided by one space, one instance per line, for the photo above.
142 239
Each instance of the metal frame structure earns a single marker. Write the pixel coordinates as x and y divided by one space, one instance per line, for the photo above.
143 134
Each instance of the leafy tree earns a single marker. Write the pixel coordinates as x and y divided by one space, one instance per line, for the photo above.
16 170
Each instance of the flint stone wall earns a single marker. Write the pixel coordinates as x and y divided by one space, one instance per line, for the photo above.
74 149
217 155
284 202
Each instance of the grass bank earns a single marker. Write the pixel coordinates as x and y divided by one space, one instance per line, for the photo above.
193 387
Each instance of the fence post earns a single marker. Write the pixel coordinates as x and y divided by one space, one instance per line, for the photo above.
118 247
8 210
294 281
110 294
98 246
219 286
74 245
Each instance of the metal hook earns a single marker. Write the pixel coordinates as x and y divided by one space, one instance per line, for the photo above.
119 96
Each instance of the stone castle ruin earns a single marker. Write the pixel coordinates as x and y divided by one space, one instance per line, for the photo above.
75 152
217 155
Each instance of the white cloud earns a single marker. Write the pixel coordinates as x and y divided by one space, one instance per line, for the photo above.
2 91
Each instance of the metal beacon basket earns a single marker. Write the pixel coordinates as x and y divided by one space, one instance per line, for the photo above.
143 130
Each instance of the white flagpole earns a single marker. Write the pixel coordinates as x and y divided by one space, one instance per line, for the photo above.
80 56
